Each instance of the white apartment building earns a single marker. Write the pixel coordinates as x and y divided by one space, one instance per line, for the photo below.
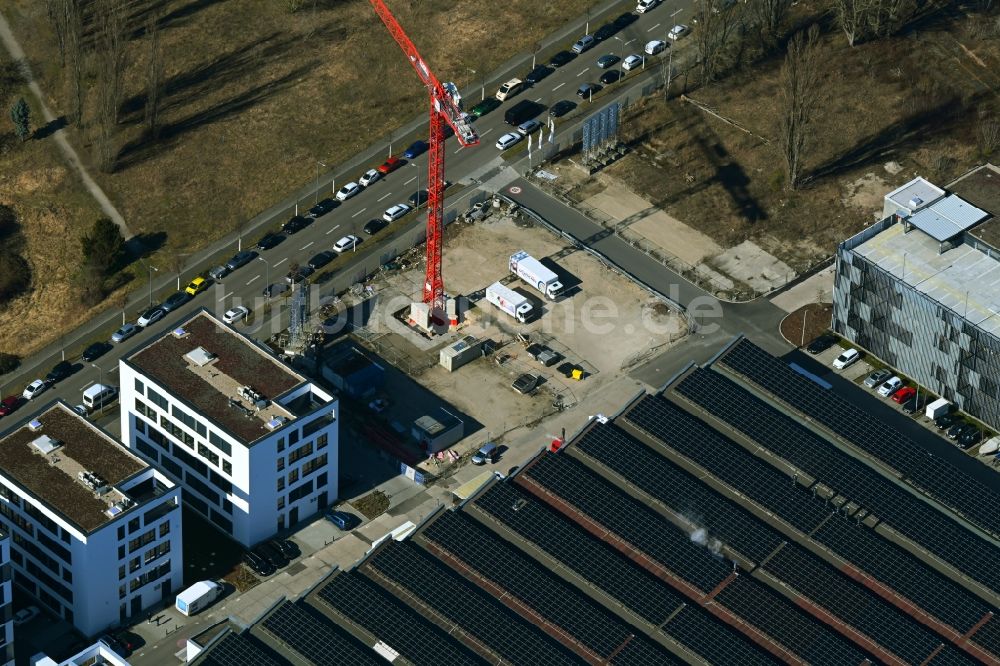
253 443
6 609
95 532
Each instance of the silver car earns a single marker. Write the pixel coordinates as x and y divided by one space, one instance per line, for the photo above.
124 333
877 377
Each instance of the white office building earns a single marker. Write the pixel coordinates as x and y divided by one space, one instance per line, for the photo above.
95 532
253 443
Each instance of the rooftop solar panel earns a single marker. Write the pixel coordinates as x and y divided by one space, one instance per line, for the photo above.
635 523
467 606
951 656
641 653
525 579
369 606
317 638
774 430
988 635
713 640
965 493
240 650
810 639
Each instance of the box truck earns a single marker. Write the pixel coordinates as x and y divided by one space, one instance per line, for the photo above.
939 407
529 269
511 302
197 597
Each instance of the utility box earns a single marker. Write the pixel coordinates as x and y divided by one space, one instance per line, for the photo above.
458 354
438 431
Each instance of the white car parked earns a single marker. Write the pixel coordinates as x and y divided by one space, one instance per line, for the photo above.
645 5
679 31
655 46
369 177
239 313
393 213
348 191
890 386
847 358
632 62
509 139
346 243
33 389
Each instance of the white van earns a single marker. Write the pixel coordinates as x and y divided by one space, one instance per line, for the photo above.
510 89
98 396
197 597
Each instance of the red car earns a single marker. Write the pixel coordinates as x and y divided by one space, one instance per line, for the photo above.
904 394
390 165
9 404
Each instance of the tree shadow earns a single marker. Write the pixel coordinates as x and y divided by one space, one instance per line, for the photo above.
50 128
146 146
178 16
143 245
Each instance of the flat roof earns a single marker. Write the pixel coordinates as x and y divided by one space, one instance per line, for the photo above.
947 217
914 194
962 278
981 188
76 446
206 363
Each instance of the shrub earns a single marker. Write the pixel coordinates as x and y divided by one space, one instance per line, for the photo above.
8 363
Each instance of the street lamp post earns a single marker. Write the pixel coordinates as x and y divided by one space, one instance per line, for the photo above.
482 81
267 276
149 278
100 370
624 44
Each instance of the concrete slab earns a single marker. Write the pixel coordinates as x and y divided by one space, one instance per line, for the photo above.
817 288
751 264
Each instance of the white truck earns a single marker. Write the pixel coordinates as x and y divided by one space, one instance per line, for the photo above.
197 597
511 302
529 269
939 407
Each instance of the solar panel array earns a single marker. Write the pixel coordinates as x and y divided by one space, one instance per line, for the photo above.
951 656
525 579
469 607
629 519
776 431
640 653
810 639
988 635
713 640
598 563
240 650
369 606
727 461
853 604
753 477
950 485
662 480
316 638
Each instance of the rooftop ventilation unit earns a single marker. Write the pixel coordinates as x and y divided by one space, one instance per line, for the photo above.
200 356
46 444
97 484
276 422
237 405
915 203
248 394
179 332
35 425
118 507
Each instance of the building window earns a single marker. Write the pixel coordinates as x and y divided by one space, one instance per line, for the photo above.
304 489
321 441
293 437
300 453
313 465
121 572
281 503
133 525
121 552
208 454
141 407
155 553
140 426
121 591
321 480
316 424
227 467
164 529
157 399
281 444
281 483
140 388
121 532
220 443
293 476
134 564
281 463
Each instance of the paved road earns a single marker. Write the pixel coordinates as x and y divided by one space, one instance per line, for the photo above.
468 165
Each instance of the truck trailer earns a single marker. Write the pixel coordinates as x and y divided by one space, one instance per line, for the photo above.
197 597
529 269
511 302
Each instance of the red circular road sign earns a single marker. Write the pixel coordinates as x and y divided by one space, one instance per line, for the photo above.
515 190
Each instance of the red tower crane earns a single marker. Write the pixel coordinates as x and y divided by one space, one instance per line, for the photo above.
445 107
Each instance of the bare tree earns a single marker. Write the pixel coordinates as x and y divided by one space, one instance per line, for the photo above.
154 76
989 133
886 17
75 55
798 93
54 9
719 23
768 16
853 18
111 39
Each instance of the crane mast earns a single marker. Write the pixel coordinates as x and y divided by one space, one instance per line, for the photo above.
445 107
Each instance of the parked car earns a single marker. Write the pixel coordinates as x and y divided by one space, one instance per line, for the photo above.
957 429
645 5
632 62
904 394
487 453
846 358
610 76
348 242
218 272
95 351
655 46
176 300
197 285
606 31
970 437
584 43
286 547
150 316
946 421
625 20
877 377
537 74
390 165
378 405
296 224
124 333
418 198
321 208
372 227
238 313
678 31
509 140
821 344
59 372
890 386
561 108
342 519
528 126
82 410
269 241
271 554
34 389
10 404
587 90
607 60
562 58
25 615
416 149
259 565
484 107
393 213
348 191
322 259
369 177
115 645
241 259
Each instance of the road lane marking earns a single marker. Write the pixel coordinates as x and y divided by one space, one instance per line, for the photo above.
539 99
307 245
460 149
227 296
559 86
487 132
676 13
359 212
657 25
332 229
387 194
252 279
587 69
410 181
86 385
281 262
